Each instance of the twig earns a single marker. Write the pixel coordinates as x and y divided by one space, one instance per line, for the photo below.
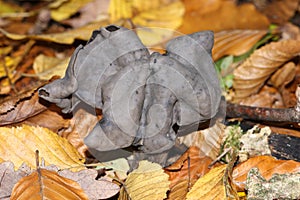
264 114
219 157
297 107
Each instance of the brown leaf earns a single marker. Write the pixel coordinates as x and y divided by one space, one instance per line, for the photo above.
278 12
17 108
52 118
267 97
220 15
186 171
80 126
267 166
250 76
284 75
235 42
45 184
208 140
95 189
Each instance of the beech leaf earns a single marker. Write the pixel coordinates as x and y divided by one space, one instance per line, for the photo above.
167 15
45 67
53 148
250 76
94 189
235 42
186 171
210 186
46 184
67 9
148 181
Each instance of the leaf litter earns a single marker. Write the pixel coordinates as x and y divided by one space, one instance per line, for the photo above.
282 78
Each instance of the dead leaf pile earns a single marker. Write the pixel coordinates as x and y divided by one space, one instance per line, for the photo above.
256 54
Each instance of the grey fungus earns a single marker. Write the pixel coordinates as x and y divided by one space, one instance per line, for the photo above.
147 100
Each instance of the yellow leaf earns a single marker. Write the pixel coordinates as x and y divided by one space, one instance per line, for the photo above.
119 167
156 19
19 144
68 37
45 67
159 23
210 186
9 7
67 9
148 181
45 184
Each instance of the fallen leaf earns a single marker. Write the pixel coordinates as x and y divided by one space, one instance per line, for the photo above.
67 9
67 37
52 119
45 184
250 76
8 65
235 42
210 186
148 181
267 166
53 148
9 177
166 19
7 7
81 124
284 75
118 168
96 10
208 140
192 165
94 189
279 12
221 15
267 96
46 67
17 108
156 21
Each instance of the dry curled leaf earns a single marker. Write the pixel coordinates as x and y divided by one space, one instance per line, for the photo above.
210 186
278 12
148 181
186 171
284 75
235 42
53 148
45 184
267 166
80 125
250 76
17 108
67 37
208 140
